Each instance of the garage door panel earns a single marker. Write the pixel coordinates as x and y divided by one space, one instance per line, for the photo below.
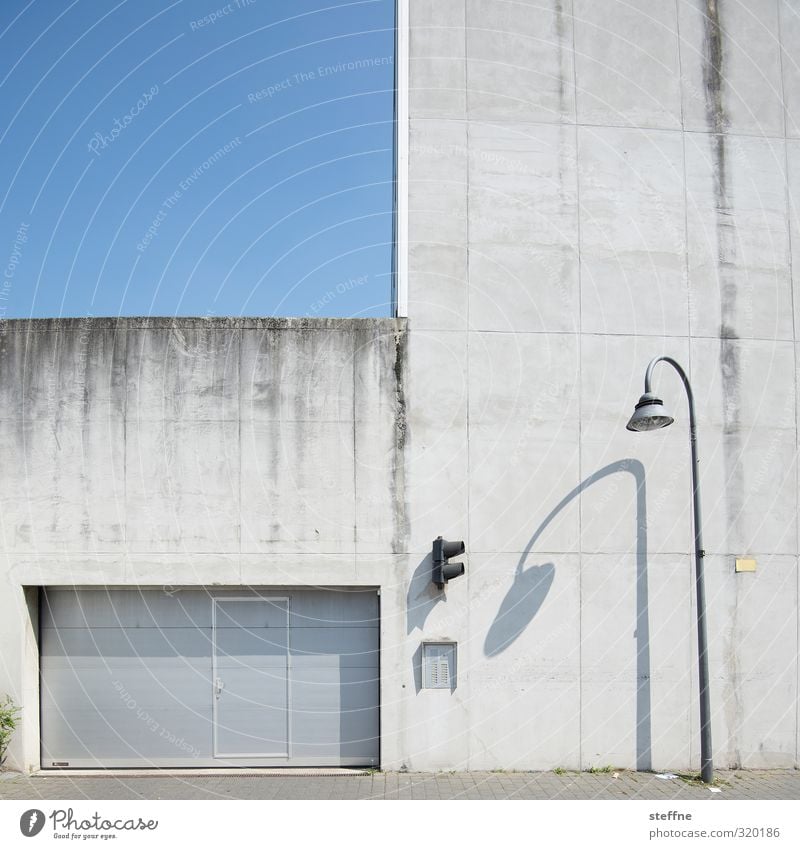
119 645
68 608
107 689
159 665
109 735
255 613
339 646
328 692
359 732
333 608
325 675
334 714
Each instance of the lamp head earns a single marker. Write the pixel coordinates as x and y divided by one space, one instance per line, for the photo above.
649 414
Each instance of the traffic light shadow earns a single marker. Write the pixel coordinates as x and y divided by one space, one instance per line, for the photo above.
422 595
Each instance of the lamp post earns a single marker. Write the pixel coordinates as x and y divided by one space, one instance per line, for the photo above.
651 415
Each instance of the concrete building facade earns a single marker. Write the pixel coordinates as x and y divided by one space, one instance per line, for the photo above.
582 186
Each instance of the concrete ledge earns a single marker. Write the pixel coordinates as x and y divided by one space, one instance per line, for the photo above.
302 323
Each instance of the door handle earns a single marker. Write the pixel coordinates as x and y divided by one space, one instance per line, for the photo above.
219 686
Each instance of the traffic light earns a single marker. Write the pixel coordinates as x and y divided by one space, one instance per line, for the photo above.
443 571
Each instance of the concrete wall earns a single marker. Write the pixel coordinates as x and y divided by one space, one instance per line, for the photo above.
593 183
157 452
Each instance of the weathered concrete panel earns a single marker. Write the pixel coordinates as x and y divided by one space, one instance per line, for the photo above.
297 486
513 486
438 161
178 570
62 395
183 372
297 375
765 390
522 184
627 67
436 455
523 224
636 693
633 232
513 399
748 444
63 485
70 371
164 436
437 276
739 274
753 661
438 59
793 160
523 439
380 437
524 684
790 38
731 66
519 61
43 568
524 288
182 485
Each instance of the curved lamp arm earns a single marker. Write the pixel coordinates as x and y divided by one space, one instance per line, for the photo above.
648 380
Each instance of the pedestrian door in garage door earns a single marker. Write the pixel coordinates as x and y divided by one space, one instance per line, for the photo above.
195 677
251 677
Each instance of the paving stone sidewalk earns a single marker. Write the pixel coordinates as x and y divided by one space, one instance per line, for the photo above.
750 784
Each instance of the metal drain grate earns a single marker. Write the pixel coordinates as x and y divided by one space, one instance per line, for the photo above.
287 772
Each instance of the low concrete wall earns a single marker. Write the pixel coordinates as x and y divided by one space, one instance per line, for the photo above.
193 451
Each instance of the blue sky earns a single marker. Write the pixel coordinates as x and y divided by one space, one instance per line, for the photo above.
196 157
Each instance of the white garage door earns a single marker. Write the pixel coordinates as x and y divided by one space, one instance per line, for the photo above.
195 677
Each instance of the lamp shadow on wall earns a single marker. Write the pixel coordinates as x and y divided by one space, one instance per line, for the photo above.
531 586
520 605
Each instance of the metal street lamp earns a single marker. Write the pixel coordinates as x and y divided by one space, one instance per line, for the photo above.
651 415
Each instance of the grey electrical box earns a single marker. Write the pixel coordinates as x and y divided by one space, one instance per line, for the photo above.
439 666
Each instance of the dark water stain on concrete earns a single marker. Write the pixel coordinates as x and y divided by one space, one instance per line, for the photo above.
562 74
729 353
712 67
399 506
